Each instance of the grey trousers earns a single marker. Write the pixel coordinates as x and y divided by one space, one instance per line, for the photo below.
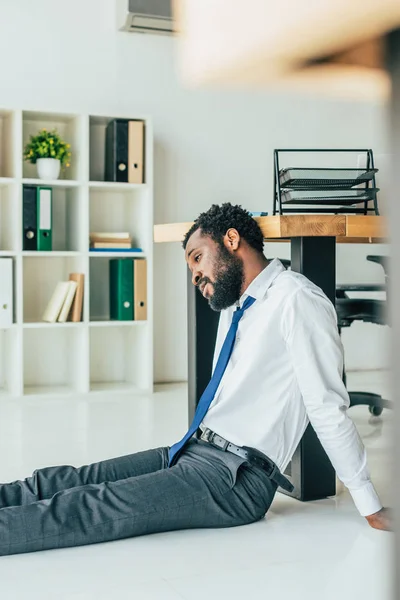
130 496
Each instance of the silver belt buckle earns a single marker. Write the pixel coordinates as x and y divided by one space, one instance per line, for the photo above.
219 442
205 435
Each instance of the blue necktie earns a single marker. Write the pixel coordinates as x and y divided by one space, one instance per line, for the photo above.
209 392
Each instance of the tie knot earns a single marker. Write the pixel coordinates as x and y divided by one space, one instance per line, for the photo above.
238 314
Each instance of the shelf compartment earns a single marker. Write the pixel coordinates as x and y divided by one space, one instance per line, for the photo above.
97 147
99 276
68 126
68 233
40 277
118 358
117 211
10 375
54 361
9 217
7 144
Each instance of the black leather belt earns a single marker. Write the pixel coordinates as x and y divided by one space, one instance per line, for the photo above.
253 456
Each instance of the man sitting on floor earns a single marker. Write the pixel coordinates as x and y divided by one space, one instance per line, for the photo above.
278 364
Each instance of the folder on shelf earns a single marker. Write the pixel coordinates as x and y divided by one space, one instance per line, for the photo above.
121 289
29 217
135 151
75 314
124 151
116 165
56 302
128 289
6 293
140 290
69 297
44 218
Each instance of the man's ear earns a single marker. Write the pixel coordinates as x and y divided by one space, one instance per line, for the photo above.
232 239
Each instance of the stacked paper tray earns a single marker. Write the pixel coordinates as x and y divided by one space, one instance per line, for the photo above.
332 197
322 179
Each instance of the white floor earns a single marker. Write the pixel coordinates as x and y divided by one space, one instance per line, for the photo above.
321 550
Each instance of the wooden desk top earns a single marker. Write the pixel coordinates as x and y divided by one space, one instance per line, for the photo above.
359 229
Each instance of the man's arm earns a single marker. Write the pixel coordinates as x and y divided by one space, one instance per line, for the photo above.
309 328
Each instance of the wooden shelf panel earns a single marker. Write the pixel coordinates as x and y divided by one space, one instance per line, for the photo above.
51 254
4 181
49 390
110 186
45 325
122 254
59 183
107 323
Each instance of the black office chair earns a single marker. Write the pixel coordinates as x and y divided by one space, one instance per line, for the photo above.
362 309
370 311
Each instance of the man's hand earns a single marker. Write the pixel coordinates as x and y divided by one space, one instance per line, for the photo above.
381 520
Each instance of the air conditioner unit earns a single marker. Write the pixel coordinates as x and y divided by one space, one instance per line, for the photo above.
145 16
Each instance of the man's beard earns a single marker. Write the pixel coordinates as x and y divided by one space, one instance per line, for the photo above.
228 283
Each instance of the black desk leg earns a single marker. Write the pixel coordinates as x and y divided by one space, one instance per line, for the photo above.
202 333
310 470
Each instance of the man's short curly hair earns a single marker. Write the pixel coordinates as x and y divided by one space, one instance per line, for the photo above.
218 219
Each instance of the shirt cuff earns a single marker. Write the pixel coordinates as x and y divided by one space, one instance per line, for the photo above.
366 500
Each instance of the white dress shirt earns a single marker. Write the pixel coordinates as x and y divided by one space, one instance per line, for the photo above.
286 370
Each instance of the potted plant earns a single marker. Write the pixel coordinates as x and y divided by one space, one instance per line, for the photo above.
49 152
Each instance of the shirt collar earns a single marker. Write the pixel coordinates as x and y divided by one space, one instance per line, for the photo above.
260 285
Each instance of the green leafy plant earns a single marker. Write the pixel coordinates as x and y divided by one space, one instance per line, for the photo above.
47 144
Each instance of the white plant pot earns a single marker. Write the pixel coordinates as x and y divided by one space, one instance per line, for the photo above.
48 168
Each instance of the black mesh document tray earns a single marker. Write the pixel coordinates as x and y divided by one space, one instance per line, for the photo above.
297 178
343 183
328 197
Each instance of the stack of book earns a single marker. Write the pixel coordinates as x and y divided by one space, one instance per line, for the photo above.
66 301
111 241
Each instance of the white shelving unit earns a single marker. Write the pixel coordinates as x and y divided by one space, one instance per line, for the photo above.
97 354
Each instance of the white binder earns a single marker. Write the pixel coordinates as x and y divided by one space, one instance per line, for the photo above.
6 293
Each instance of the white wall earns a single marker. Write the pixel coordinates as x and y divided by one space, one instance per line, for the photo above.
209 146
